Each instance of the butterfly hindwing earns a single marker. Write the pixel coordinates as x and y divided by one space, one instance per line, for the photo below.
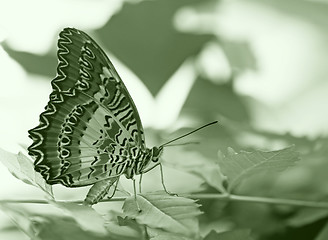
90 124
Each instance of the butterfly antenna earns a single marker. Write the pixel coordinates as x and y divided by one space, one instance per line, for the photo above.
197 129
181 144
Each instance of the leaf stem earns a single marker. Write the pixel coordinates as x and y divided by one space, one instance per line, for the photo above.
265 200
225 197
38 201
280 201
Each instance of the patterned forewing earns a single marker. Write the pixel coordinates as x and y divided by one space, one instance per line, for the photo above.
90 123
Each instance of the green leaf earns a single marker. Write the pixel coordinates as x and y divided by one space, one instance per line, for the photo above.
160 210
149 32
44 64
159 234
124 228
240 234
211 174
197 164
240 166
50 227
239 54
22 168
307 216
205 98
85 216
20 216
132 224
323 235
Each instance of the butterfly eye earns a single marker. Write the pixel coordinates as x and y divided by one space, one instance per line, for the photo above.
156 152
156 158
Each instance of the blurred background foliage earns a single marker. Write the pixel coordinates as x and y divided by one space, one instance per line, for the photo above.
259 67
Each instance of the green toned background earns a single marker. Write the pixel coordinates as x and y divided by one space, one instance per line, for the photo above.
259 67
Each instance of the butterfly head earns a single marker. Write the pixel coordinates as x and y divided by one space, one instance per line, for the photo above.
156 152
151 159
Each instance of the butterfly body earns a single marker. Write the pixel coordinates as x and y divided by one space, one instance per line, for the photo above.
90 130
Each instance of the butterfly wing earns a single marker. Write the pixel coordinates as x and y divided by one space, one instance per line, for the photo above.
90 129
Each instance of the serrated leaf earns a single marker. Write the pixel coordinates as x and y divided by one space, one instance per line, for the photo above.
86 216
160 210
240 166
240 234
22 168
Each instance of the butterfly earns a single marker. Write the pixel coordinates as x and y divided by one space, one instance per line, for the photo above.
90 132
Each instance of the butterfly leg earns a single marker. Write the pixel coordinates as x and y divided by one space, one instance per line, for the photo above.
135 194
162 180
162 177
112 195
140 183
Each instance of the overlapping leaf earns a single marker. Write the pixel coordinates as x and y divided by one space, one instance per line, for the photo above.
85 216
22 168
20 216
160 210
197 164
48 227
240 166
123 228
